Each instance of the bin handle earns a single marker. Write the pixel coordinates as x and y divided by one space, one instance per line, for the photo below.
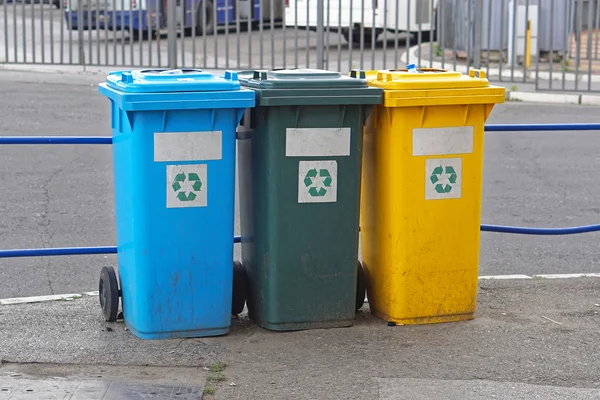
477 73
381 75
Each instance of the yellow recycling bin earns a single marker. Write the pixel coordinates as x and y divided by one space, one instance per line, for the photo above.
421 194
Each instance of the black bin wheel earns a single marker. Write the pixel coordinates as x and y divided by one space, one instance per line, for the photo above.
361 286
109 293
240 291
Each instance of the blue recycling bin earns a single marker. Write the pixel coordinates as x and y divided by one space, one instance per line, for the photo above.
174 138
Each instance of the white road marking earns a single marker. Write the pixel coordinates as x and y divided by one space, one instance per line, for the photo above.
38 299
505 277
566 276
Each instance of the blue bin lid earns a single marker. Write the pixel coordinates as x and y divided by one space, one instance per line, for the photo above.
171 80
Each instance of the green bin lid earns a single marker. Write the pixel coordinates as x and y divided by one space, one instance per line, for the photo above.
301 78
304 86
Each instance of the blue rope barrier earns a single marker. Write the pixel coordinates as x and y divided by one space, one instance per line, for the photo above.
540 127
72 251
540 231
55 140
64 251
68 251
108 140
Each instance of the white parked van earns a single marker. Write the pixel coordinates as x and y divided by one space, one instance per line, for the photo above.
347 17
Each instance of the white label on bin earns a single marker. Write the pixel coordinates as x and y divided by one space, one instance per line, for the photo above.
450 140
443 178
187 185
188 146
317 142
317 182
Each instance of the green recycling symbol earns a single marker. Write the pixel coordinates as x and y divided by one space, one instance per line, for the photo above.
310 181
436 177
195 182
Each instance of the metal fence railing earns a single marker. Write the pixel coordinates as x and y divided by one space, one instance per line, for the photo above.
554 44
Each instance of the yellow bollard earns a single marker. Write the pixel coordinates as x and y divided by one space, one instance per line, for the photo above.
528 45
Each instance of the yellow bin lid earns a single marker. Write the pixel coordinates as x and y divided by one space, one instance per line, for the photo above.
434 87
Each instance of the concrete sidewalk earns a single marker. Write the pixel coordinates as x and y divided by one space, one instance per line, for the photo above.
532 338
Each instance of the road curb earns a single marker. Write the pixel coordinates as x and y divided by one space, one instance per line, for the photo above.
528 97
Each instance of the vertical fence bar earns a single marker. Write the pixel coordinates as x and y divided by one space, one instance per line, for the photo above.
215 31
227 22
374 31
271 31
419 34
237 26
489 41
537 61
320 23
261 25
15 34
385 31
362 34
551 58
60 7
80 49
469 35
339 36
4 9
590 30
133 16
90 11
284 34
350 34
566 43
431 34
106 14
327 34
172 33
42 33
238 30
122 31
597 31
204 21
24 21
194 29
114 33
33 30
165 14
502 21
407 44
514 42
455 23
578 27
525 49
249 24
477 32
97 4
307 33
397 20
441 38
182 26
140 36
296 33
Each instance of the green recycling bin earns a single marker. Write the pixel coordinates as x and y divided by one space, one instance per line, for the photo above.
299 165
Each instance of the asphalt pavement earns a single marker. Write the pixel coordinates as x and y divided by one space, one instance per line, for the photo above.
531 339
62 195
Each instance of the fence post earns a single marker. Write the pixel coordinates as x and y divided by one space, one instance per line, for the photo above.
478 33
172 33
320 34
